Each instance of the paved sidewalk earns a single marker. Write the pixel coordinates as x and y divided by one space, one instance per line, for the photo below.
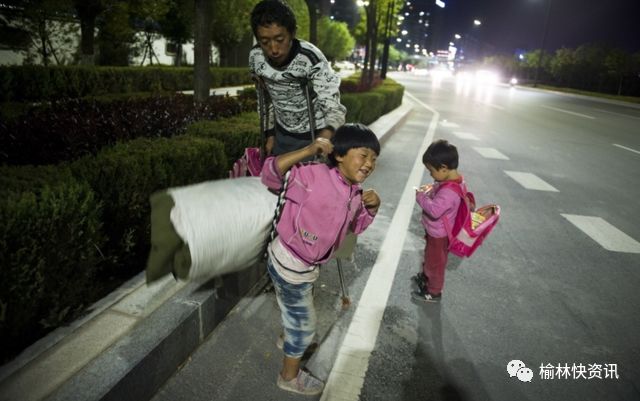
133 340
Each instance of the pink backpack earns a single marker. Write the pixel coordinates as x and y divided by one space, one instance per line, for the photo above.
250 164
471 225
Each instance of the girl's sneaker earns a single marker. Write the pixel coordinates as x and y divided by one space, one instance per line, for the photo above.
304 383
421 280
425 296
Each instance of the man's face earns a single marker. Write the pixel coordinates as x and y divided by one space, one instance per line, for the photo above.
275 42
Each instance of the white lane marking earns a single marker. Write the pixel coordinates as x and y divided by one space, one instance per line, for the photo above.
626 148
569 112
349 370
609 237
617 114
466 135
530 181
491 153
495 106
448 124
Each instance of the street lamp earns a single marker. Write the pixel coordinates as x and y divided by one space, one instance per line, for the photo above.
477 22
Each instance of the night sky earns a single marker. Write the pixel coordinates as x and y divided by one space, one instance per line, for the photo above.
508 25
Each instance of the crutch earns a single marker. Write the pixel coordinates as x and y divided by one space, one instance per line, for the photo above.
346 301
263 110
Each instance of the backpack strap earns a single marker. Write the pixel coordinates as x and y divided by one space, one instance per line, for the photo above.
459 190
278 211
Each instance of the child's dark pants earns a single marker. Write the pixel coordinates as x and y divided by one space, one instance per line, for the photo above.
436 252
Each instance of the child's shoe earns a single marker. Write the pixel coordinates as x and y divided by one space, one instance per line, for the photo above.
421 280
425 296
304 383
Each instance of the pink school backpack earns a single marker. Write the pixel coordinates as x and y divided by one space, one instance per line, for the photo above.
471 225
250 164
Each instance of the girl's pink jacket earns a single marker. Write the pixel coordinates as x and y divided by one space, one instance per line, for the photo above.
320 207
438 203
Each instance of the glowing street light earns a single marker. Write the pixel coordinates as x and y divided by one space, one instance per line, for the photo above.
457 36
477 22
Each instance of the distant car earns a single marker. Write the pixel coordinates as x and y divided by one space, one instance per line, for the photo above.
344 65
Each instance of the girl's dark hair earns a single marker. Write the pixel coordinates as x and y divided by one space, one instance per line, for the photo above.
269 12
441 154
351 136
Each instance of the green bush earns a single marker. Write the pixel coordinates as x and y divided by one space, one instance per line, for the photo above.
38 83
50 243
236 133
125 175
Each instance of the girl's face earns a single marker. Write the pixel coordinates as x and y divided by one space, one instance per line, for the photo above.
440 174
357 164
275 42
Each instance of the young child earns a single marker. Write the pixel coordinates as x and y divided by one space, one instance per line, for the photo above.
438 203
323 201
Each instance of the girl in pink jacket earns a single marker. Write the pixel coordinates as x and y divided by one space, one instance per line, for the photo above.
438 204
323 202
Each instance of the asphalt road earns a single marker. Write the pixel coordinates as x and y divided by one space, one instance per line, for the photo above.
555 286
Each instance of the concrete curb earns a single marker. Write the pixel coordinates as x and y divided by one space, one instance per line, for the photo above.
146 345
136 366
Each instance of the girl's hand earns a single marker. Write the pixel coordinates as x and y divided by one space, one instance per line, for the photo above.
322 146
425 188
371 200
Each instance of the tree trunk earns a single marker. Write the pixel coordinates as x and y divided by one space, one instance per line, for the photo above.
87 28
202 51
313 21
620 85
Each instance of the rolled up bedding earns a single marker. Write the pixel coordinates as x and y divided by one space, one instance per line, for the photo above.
205 230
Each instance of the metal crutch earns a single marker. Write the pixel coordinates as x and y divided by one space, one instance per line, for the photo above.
346 301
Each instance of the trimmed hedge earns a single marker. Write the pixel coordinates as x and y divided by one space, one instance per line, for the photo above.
236 133
50 244
31 83
366 107
125 175
70 129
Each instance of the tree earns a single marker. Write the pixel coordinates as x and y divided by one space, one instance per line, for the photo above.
146 15
230 25
45 22
301 11
88 11
313 7
335 41
620 65
562 65
177 25
116 36
202 49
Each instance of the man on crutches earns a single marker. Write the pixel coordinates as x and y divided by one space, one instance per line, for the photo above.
283 64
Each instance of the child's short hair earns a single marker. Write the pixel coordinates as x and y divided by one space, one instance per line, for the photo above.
350 136
269 12
441 154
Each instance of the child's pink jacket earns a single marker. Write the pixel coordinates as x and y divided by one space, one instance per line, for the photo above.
435 204
320 207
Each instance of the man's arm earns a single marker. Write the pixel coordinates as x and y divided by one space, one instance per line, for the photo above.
326 84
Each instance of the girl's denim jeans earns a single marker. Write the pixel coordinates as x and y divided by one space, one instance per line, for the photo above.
297 311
